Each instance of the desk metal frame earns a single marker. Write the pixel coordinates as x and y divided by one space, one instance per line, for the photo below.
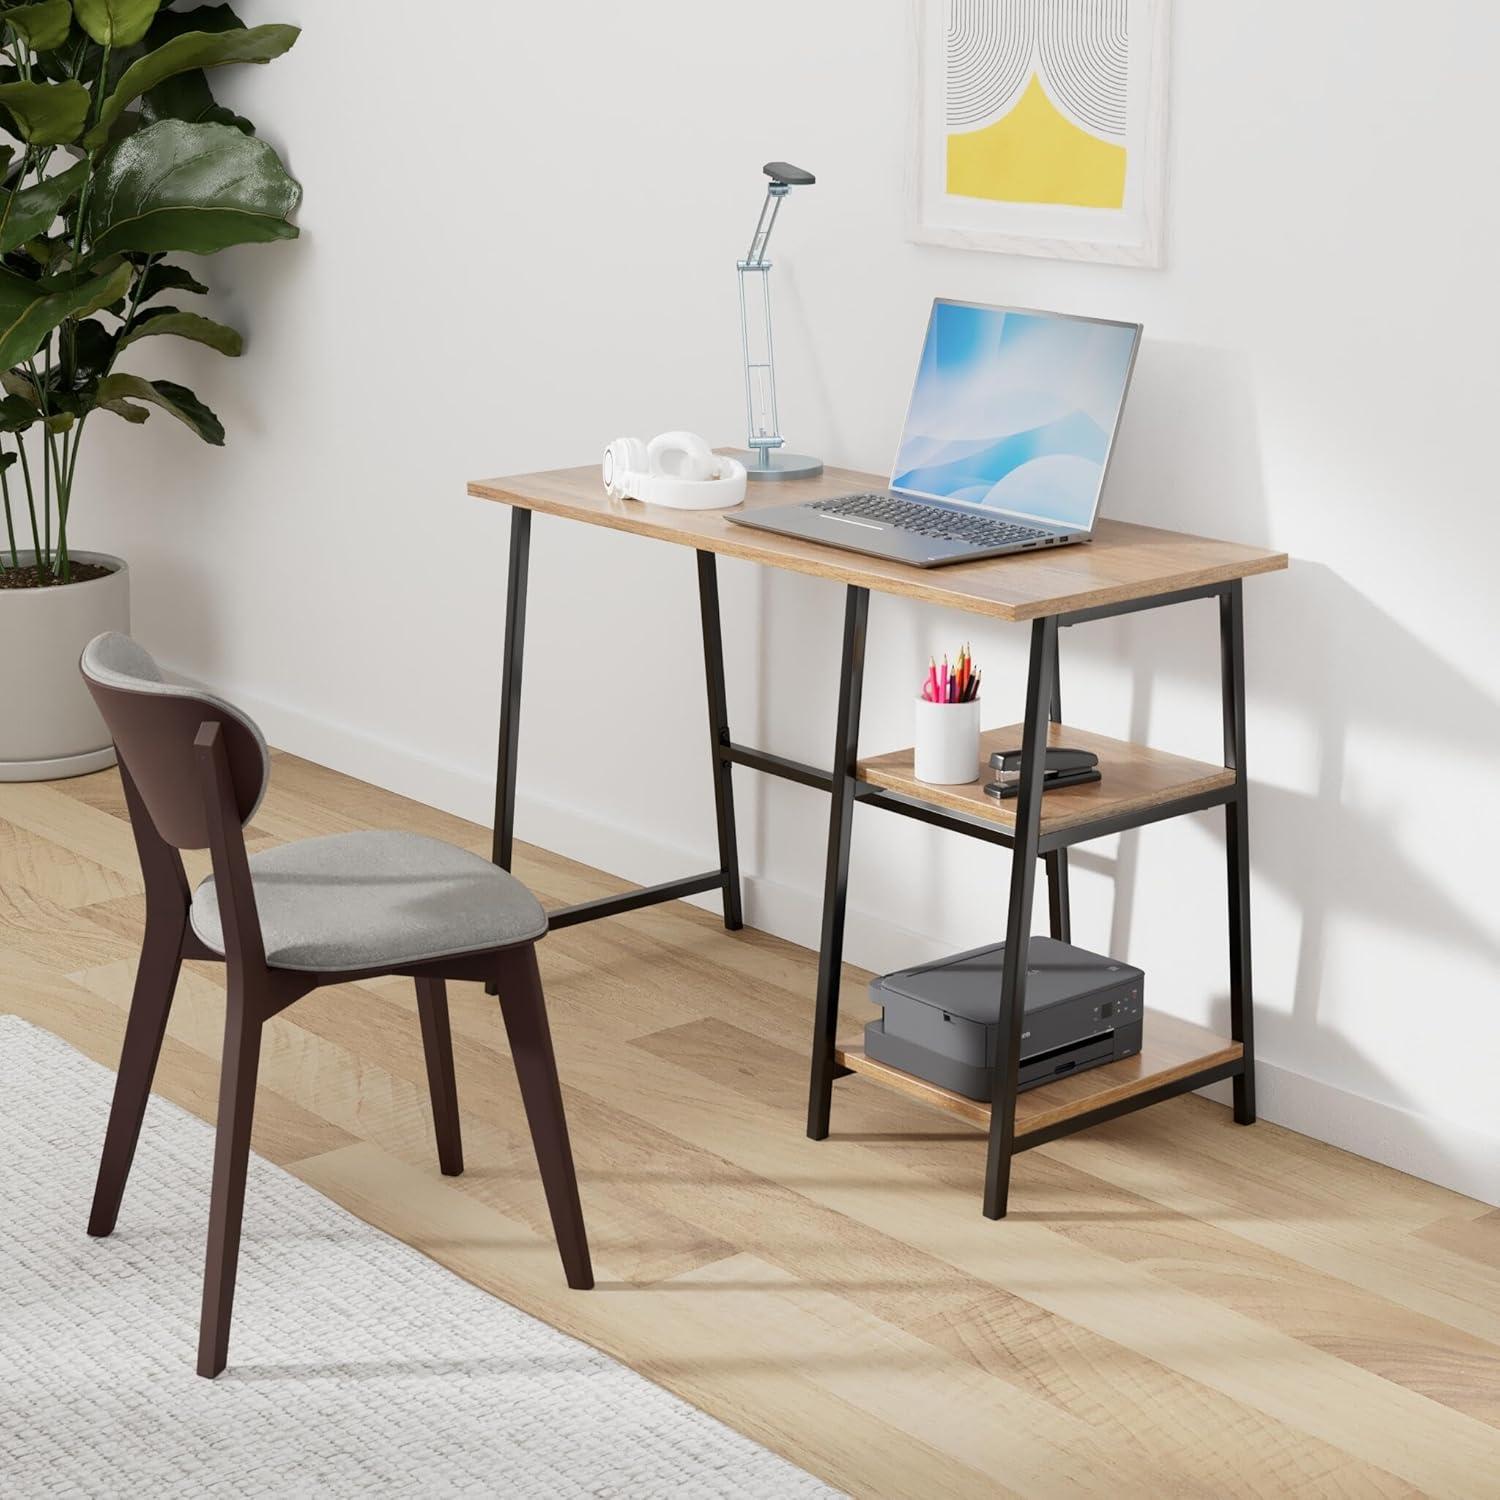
1028 843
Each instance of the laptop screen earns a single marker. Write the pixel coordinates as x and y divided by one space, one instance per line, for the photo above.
1015 411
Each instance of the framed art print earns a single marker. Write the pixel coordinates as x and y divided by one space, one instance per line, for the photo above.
1041 127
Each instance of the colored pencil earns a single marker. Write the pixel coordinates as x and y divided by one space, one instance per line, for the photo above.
955 681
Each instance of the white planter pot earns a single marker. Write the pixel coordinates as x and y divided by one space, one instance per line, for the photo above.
49 726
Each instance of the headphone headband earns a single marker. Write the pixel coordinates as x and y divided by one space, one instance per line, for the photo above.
677 470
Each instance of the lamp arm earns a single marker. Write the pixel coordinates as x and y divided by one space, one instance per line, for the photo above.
755 256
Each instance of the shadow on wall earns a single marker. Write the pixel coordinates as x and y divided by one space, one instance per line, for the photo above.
1320 651
1330 857
1330 654
1187 458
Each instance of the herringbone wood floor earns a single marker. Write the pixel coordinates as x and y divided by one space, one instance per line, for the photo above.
1174 1306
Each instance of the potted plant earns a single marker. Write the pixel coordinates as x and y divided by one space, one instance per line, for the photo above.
117 157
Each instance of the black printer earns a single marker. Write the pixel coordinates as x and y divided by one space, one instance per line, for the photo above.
942 1020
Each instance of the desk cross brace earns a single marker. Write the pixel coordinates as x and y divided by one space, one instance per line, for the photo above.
845 789
726 878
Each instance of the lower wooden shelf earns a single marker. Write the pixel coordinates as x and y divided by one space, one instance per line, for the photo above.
1172 1049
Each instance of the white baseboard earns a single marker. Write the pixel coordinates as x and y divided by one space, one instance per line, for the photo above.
1446 1152
1440 1151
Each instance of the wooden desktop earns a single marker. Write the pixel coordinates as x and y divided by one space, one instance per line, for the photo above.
1122 562
1124 568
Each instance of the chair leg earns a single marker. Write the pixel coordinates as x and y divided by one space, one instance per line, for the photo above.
525 1011
242 1027
437 1045
150 1005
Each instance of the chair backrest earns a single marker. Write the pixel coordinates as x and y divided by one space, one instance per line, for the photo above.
154 722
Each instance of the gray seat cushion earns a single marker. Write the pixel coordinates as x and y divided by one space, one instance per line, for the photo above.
371 900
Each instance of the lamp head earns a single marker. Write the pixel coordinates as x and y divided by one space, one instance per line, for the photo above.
784 175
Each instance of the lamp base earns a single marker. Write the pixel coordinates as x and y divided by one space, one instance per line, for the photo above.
774 463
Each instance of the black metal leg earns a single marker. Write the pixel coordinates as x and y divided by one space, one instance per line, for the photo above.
510 693
1018 920
836 879
1059 906
718 731
510 687
1237 844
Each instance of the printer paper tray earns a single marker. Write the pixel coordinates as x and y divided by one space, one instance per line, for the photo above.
975 1082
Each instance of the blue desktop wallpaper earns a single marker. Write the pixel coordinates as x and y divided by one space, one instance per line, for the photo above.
1014 410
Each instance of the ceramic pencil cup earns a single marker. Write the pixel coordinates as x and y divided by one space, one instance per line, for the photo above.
947 742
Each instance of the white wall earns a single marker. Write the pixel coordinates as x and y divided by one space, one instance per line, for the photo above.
518 241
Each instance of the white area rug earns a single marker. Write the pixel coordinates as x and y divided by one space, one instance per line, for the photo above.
357 1365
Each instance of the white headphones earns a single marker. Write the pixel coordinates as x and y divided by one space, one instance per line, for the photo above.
677 469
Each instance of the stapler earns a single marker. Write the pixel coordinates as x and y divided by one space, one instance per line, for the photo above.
1062 768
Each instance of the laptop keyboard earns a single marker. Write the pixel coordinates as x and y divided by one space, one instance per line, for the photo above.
930 520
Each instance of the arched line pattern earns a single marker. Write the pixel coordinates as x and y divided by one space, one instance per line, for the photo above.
990 47
1085 54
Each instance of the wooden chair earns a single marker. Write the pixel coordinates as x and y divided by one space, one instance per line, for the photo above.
286 921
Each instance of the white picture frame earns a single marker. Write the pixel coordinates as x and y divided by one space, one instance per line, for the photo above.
1133 234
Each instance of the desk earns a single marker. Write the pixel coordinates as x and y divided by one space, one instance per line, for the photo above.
1125 568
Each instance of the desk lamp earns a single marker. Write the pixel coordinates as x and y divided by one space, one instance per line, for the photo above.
764 459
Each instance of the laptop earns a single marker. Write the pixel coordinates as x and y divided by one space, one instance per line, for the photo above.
1006 444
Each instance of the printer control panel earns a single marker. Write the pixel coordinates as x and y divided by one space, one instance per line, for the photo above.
1121 1009
1121 1013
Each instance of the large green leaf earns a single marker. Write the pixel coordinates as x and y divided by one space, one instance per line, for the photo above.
116 23
46 114
16 415
177 399
160 277
32 210
44 25
186 325
30 310
127 409
17 384
67 59
187 96
192 50
200 188
170 23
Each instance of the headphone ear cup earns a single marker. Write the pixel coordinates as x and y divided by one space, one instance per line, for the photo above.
624 460
681 455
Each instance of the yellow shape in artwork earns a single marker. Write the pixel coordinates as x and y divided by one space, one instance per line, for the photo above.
1033 154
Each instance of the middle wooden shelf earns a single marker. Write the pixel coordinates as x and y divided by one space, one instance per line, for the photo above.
1135 779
